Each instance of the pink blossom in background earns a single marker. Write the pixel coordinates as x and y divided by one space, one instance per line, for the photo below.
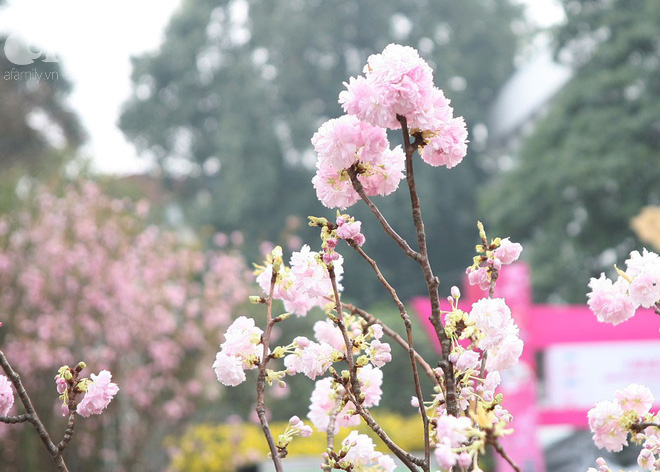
98 395
110 289
6 396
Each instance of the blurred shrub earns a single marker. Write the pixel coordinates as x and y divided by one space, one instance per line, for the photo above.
225 447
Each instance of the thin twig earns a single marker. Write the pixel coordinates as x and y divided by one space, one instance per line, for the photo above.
371 319
403 244
432 281
261 379
500 450
410 348
33 417
408 459
15 419
68 433
354 392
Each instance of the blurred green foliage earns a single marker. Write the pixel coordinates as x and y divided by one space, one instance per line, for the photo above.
229 103
593 161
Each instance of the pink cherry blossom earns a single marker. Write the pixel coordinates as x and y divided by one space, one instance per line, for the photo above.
334 188
508 252
315 359
351 230
363 455
635 397
229 369
506 354
493 318
644 290
397 82
371 379
467 360
380 353
610 301
343 141
479 277
324 403
604 423
328 332
6 396
383 177
449 145
98 395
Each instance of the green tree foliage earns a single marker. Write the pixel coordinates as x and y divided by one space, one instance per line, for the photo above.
229 103
38 131
593 162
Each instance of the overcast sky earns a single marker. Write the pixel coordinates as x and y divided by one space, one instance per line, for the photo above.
94 41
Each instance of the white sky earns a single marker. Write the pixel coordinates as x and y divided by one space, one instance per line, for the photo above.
94 41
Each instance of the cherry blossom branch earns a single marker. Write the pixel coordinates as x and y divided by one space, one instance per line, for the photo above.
354 392
639 427
355 383
14 419
432 281
357 186
408 459
32 417
410 348
371 319
500 450
261 378
656 308
68 433
330 436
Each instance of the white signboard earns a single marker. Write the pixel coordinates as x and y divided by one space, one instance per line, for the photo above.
579 375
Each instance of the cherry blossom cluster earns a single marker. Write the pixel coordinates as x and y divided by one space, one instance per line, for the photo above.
629 414
489 326
6 396
303 284
639 286
240 351
358 453
491 256
484 342
99 390
344 142
397 85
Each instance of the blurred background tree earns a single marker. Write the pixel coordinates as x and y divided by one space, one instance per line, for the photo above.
592 162
227 106
39 132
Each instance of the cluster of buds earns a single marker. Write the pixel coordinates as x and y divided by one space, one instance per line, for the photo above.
491 256
305 283
345 227
296 427
99 390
